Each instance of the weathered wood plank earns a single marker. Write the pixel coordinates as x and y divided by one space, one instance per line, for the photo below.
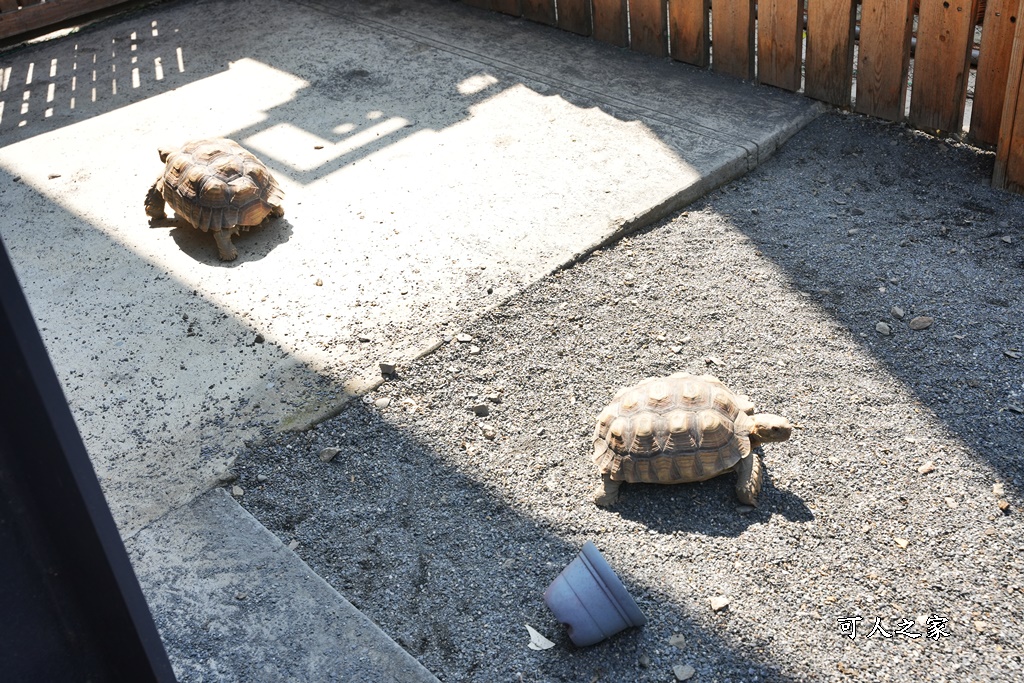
1009 166
780 43
648 28
883 58
575 16
36 16
610 21
689 31
8 5
512 7
732 38
541 11
942 62
993 69
828 73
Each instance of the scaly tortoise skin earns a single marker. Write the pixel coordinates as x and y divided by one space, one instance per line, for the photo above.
681 428
215 185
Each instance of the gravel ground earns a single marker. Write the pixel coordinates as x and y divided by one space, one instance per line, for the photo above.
897 500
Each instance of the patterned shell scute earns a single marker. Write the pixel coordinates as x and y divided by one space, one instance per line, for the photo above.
669 430
216 184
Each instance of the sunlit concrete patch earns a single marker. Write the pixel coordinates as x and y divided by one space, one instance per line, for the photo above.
421 185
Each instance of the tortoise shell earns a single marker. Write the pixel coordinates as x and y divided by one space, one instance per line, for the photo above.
215 184
671 430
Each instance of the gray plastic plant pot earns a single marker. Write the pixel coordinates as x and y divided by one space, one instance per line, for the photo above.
590 599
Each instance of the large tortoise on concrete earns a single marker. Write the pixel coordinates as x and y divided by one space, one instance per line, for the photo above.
682 428
215 185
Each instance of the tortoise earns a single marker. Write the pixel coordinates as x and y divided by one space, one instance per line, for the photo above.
681 428
215 185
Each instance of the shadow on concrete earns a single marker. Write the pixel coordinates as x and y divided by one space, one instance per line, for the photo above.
253 244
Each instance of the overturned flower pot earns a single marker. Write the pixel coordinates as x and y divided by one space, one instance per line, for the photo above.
590 599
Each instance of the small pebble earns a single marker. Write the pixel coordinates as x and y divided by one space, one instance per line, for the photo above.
683 672
927 467
259 339
719 602
237 491
261 478
896 312
1007 239
363 338
319 282
328 454
1011 353
1004 505
678 640
293 545
494 398
387 368
644 661
744 509
480 410
474 350
856 211
953 505
997 488
382 403
488 431
921 322
675 349
240 596
463 338
902 542
883 329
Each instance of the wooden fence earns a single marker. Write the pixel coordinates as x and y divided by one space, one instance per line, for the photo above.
26 16
868 55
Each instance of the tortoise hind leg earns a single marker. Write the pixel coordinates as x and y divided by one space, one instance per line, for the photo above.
155 200
607 492
748 479
225 249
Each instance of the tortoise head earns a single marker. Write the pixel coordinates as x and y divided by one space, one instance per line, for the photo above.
770 428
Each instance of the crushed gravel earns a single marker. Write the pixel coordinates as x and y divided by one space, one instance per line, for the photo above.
461 486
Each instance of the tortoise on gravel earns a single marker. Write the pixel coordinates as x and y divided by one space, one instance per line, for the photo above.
218 186
681 428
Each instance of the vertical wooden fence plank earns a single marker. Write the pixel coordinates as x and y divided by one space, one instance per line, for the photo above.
780 25
542 11
504 6
1009 167
574 15
942 62
732 38
883 58
993 68
648 31
689 31
610 21
828 73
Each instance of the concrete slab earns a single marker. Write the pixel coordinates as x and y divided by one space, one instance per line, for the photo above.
435 158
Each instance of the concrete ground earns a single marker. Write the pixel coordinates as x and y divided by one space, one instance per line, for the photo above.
435 159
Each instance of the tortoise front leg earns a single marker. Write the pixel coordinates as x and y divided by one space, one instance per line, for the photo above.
748 479
607 492
226 250
155 200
